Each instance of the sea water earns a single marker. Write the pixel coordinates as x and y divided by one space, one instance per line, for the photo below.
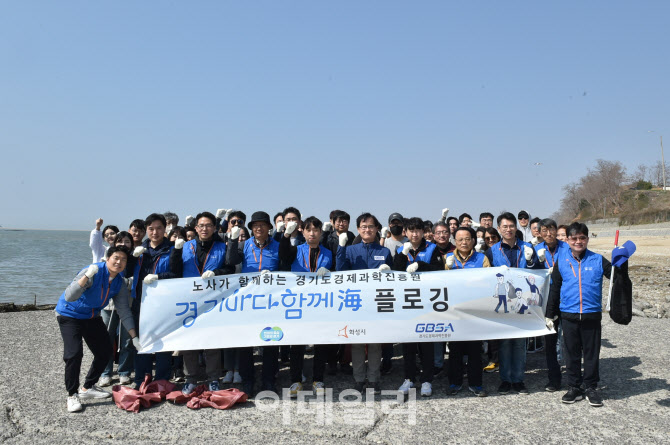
40 263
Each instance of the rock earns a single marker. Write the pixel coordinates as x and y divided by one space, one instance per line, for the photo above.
638 313
642 305
650 313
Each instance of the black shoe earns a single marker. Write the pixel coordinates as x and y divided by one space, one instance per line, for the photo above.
593 397
437 371
573 395
386 367
520 388
377 388
332 369
504 387
345 368
552 387
360 387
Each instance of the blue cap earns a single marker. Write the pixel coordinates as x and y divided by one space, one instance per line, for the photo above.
621 254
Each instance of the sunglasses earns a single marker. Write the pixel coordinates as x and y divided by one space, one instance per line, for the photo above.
236 222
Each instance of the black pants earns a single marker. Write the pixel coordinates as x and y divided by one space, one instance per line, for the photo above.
94 332
297 361
458 349
553 367
582 338
270 366
409 351
494 345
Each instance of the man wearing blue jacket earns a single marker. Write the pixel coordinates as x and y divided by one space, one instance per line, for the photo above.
512 252
576 295
79 319
205 258
307 257
548 252
367 254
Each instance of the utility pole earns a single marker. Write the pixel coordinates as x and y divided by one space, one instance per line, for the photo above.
663 163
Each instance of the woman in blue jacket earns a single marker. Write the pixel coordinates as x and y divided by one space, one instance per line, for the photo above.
79 319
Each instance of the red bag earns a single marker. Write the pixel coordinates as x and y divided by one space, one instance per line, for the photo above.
150 392
201 398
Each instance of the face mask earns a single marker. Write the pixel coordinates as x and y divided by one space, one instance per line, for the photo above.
169 228
395 230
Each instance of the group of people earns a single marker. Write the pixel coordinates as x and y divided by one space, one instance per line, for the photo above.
102 304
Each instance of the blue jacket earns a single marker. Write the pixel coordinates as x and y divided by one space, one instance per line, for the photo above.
159 259
300 240
257 259
424 255
93 299
550 259
581 289
476 260
216 258
500 254
301 262
363 256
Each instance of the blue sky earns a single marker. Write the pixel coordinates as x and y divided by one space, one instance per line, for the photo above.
119 109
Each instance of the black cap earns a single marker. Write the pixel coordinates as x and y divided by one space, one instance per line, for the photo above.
259 217
523 214
397 216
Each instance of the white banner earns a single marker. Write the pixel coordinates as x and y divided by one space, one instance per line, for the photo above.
363 306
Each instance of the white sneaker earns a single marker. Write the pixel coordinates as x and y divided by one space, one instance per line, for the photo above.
426 389
123 380
406 386
319 388
294 389
105 381
93 393
73 404
237 378
228 378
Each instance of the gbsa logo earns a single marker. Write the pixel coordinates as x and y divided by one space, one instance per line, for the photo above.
434 327
272 334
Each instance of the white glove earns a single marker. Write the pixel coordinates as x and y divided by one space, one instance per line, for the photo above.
480 241
445 212
150 278
475 225
479 248
189 220
343 239
528 252
227 215
136 343
207 274
327 227
290 228
385 231
406 247
551 270
384 267
542 255
91 271
220 213
413 267
322 271
280 226
179 243
138 251
234 233
550 323
264 271
535 241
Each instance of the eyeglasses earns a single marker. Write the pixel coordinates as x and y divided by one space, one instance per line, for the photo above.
523 217
579 238
205 226
236 222
368 227
441 233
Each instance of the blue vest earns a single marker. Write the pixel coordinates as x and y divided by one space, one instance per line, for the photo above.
215 258
301 262
93 299
257 259
162 264
500 259
561 249
581 291
423 255
476 260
